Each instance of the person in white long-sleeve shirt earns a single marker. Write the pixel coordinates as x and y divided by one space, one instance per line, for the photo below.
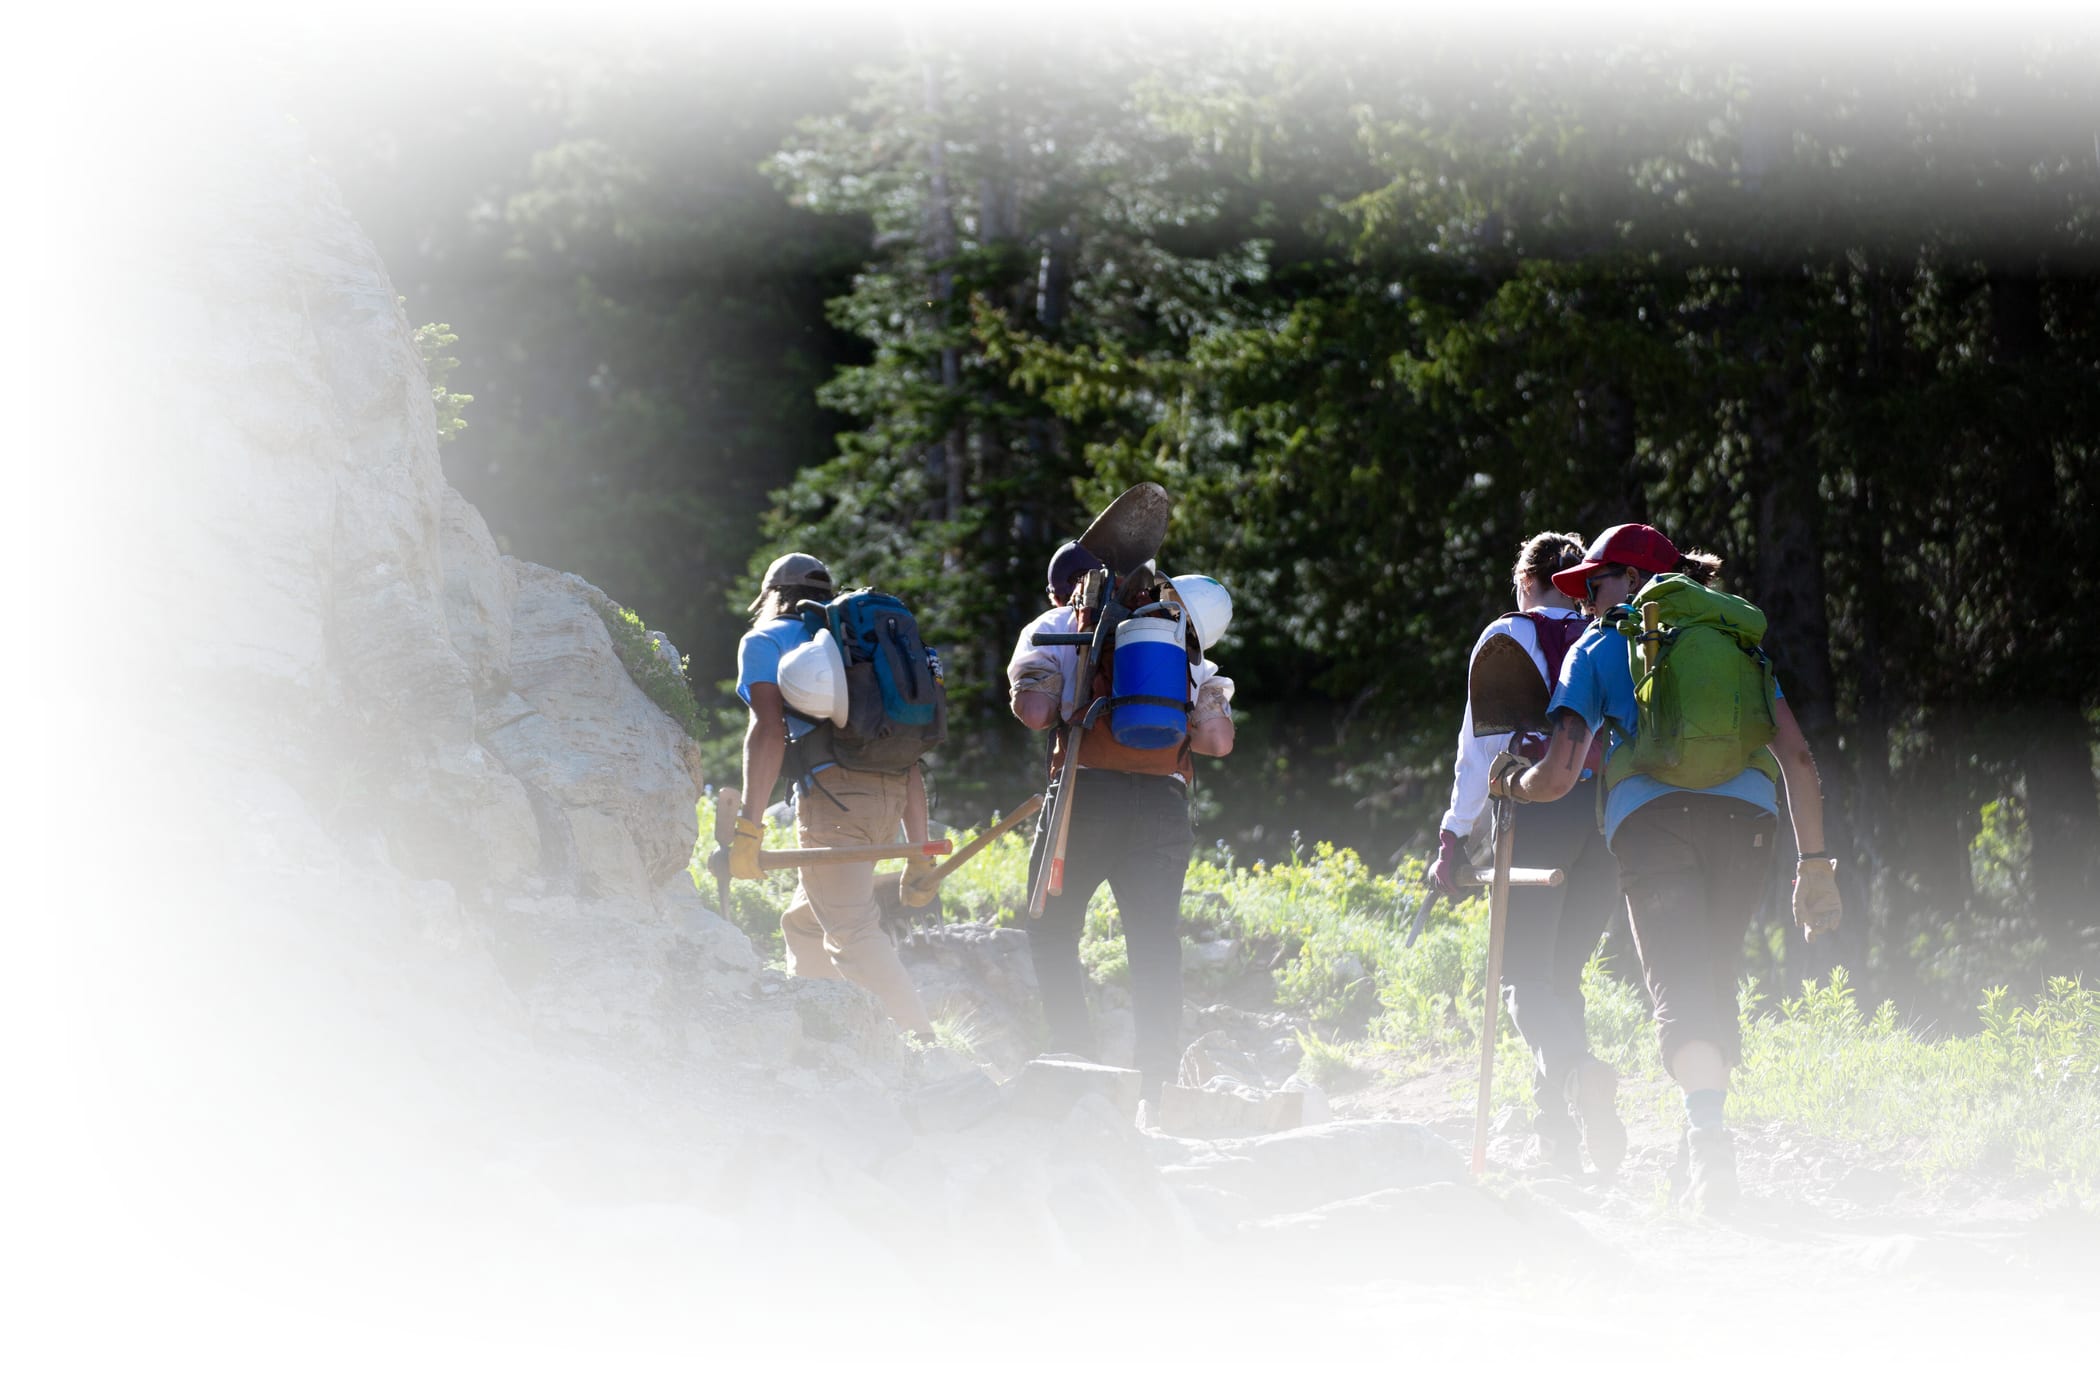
1550 933
1130 828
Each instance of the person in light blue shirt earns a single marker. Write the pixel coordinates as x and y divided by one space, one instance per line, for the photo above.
833 927
1693 863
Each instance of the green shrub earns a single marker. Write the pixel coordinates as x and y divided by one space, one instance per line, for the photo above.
432 341
660 680
2022 1094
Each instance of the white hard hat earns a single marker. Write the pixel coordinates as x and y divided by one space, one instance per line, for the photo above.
813 679
1209 606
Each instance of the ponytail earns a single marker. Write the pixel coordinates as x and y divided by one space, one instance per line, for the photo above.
1544 555
1702 569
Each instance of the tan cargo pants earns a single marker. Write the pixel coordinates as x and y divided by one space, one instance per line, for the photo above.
833 928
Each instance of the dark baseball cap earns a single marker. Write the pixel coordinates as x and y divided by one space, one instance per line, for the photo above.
1643 546
792 571
1071 560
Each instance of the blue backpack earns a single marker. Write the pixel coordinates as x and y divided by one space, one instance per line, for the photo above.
897 702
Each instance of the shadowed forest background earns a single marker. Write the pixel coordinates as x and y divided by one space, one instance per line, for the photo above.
1373 311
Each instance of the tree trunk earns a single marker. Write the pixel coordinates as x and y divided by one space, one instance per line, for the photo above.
948 457
1788 584
2046 676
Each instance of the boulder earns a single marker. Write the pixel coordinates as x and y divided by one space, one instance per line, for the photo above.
1227 1108
1049 1085
1309 1167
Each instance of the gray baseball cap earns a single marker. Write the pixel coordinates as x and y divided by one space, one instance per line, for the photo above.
792 571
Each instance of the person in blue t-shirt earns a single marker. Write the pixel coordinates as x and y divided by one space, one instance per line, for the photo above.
833 928
1693 863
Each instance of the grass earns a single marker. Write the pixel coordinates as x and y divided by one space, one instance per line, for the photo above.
2020 1097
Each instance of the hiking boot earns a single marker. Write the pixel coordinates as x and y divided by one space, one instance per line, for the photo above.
1707 1161
1593 1092
1556 1147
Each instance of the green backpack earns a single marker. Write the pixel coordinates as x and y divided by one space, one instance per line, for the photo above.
1706 712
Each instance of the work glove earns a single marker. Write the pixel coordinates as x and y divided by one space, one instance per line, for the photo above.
1443 871
1817 906
1503 773
915 883
743 851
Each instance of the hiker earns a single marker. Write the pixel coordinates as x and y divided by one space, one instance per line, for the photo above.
1693 825
1551 931
1130 826
833 928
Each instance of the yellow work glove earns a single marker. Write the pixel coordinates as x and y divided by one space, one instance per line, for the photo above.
915 883
1817 905
743 851
1503 773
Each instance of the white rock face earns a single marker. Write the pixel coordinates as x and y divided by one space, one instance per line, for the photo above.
366 710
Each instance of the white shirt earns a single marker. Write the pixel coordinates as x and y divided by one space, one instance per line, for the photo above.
1469 775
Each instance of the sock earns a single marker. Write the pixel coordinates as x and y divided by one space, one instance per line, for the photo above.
1703 1107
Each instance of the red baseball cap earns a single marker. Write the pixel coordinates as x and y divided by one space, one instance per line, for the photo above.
1643 546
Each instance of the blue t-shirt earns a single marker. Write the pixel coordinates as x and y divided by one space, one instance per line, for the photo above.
1596 681
758 658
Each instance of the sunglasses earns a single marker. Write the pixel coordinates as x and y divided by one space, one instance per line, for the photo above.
1590 584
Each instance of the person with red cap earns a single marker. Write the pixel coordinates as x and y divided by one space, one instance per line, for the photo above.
1551 932
1693 862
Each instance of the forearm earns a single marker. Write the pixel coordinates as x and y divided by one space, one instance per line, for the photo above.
1213 737
1469 778
765 746
1035 708
1804 787
1554 776
1804 799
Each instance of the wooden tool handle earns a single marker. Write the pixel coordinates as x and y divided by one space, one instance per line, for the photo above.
985 838
1523 877
1498 920
796 857
1050 880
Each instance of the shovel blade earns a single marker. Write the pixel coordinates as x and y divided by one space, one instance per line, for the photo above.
1508 693
1131 530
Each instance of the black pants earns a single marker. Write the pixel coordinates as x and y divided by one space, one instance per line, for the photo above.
1550 936
1132 830
1694 867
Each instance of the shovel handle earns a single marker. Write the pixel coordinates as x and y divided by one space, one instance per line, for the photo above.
1050 880
1498 921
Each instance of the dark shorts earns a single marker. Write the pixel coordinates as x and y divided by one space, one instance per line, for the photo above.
1694 869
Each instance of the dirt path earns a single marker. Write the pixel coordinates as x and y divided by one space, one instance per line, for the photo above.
1813 1211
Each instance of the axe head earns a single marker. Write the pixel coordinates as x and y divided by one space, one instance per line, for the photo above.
1130 531
1507 692
728 802
718 866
